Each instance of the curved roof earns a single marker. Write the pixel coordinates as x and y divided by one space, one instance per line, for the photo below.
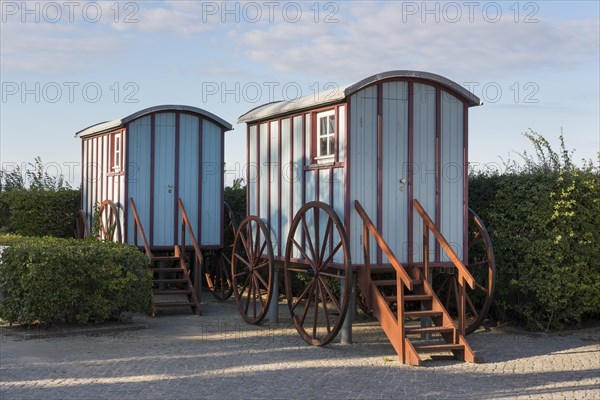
118 123
338 94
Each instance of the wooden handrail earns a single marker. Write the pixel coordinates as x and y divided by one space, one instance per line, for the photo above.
185 222
368 224
138 225
427 222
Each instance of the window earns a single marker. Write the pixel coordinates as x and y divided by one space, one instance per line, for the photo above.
325 134
116 152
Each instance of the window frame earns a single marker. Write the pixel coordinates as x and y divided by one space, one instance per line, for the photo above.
331 156
116 155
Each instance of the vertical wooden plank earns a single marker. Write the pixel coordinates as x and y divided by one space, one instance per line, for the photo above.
290 216
452 165
248 165
97 170
379 165
347 166
286 188
176 182
200 176
211 182
126 186
101 171
222 191
258 171
188 160
395 164
465 182
411 170
152 165
438 166
423 155
252 171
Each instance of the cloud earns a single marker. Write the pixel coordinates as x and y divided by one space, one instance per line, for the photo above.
53 48
73 38
181 18
383 38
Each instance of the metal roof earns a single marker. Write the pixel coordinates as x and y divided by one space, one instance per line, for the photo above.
119 123
338 94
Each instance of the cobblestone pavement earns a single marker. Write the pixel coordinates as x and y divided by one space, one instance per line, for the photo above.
217 355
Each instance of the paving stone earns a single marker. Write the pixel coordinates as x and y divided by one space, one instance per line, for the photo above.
217 355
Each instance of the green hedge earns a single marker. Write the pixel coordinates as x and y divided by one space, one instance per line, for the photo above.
51 280
39 212
544 227
235 196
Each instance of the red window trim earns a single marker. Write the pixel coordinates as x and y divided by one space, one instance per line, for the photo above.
313 134
113 136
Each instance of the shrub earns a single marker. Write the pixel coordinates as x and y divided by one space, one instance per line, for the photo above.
4 214
544 221
52 280
39 212
235 196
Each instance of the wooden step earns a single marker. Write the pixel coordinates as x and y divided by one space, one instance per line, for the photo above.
410 297
390 299
432 348
418 297
422 313
392 282
165 258
172 269
384 282
167 280
429 329
382 268
176 304
172 292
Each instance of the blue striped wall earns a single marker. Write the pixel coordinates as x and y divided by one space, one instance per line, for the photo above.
424 167
139 173
212 189
193 171
452 173
395 168
287 180
363 166
189 150
164 179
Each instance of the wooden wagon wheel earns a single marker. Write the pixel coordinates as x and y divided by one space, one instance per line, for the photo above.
482 266
319 307
108 218
80 225
252 269
218 264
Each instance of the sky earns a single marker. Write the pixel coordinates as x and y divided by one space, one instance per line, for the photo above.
66 65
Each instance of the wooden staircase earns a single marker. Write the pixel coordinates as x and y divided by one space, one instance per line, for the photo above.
171 274
419 323
172 282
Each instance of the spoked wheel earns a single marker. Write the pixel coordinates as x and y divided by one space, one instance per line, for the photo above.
218 263
110 227
482 266
80 225
320 274
252 269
